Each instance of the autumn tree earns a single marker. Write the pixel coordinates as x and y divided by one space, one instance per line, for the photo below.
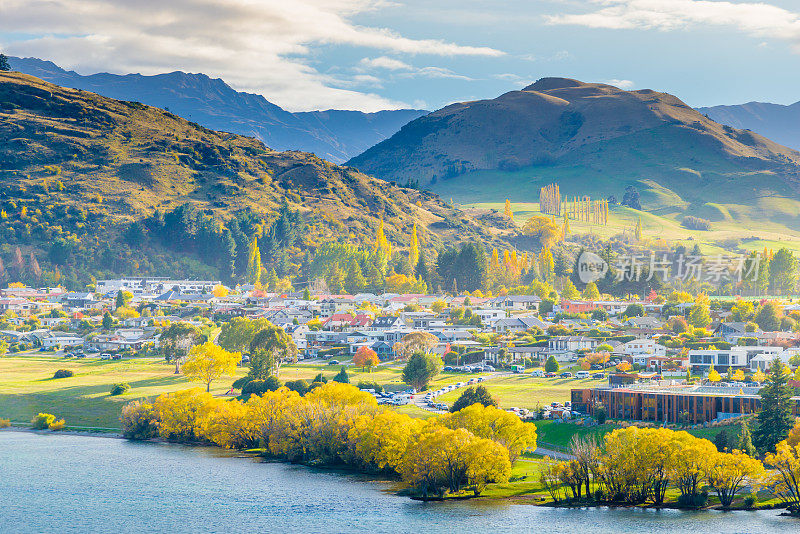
590 292
413 248
488 421
176 342
420 369
415 342
208 362
366 358
699 313
544 229
728 473
508 213
783 478
253 263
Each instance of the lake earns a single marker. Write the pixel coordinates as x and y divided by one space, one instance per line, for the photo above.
65 483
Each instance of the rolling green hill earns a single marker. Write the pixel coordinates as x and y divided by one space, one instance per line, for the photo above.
77 170
597 140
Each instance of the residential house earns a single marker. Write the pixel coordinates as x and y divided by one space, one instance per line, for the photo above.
515 302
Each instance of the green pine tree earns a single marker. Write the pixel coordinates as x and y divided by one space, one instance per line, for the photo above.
355 282
775 418
253 263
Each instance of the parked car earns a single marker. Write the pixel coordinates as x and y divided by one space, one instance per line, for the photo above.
105 356
333 362
598 376
566 374
597 367
68 355
116 356
537 373
582 375
80 355
447 368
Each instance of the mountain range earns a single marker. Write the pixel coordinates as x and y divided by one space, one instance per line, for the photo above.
335 135
593 139
775 121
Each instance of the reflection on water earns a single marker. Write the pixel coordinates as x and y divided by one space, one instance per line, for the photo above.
61 483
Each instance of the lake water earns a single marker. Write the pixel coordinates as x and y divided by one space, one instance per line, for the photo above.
63 483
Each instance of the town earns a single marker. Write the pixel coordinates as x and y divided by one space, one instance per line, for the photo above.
637 359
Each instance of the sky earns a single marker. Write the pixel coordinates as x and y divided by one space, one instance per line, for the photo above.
388 54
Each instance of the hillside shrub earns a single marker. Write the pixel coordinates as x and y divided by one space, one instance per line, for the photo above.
259 387
63 373
696 223
42 421
57 425
300 386
119 389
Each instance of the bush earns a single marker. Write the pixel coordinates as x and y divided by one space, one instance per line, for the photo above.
138 421
120 388
696 223
259 387
43 421
342 376
300 386
600 414
240 383
750 500
63 373
5 423
57 425
697 500
472 396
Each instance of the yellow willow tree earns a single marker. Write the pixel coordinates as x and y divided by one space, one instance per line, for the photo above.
729 472
208 362
381 243
784 475
508 213
489 422
413 249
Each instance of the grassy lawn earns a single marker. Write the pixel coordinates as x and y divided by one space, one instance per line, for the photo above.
525 391
27 386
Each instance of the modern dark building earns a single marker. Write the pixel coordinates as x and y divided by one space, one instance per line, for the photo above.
665 403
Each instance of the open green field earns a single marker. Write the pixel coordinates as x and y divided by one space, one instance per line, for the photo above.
771 220
27 386
525 391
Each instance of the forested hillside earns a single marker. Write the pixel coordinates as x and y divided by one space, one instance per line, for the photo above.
91 186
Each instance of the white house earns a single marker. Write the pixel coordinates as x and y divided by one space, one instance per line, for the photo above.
640 349
62 340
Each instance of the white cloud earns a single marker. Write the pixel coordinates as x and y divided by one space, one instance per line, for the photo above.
756 19
404 70
622 84
438 72
384 62
262 46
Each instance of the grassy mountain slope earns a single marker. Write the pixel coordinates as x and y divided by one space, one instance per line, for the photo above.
79 167
593 139
778 122
333 135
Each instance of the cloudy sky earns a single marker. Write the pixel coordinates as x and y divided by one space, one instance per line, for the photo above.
378 54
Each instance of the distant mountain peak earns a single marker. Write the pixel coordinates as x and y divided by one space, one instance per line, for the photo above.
548 84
